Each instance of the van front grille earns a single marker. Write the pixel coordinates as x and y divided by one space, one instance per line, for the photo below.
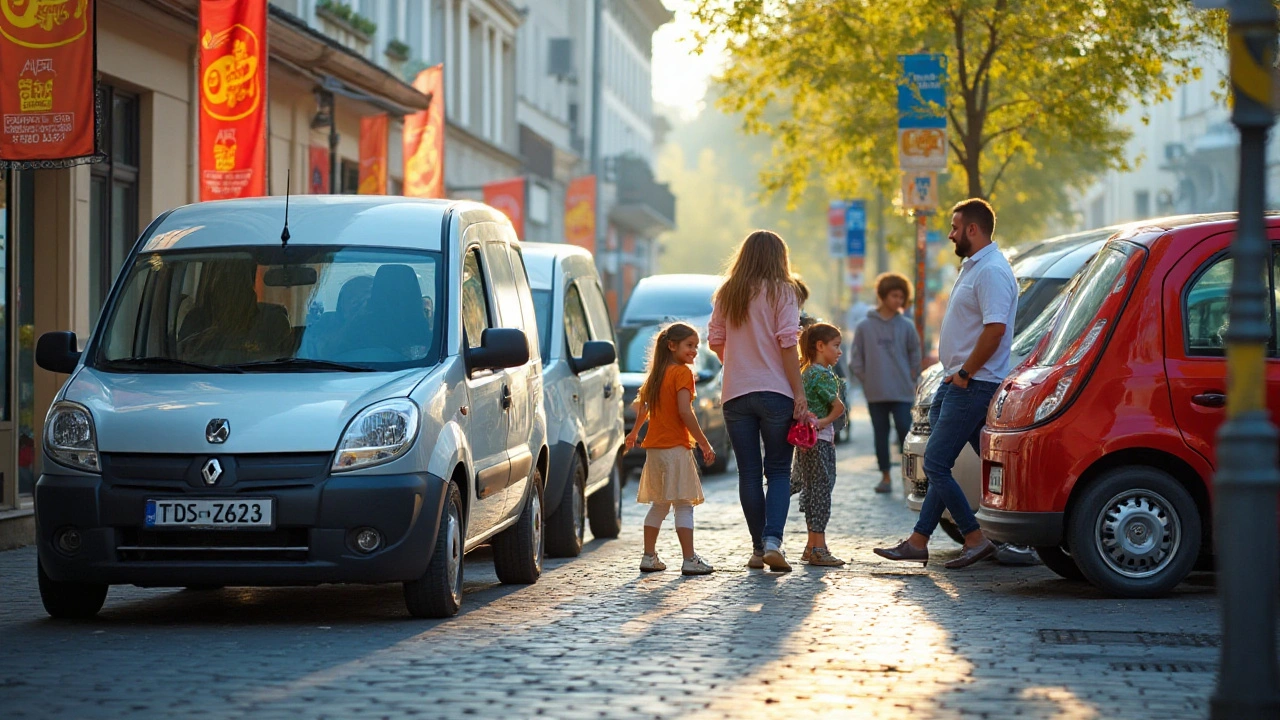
281 544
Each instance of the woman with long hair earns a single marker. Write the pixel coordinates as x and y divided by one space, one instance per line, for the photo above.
755 324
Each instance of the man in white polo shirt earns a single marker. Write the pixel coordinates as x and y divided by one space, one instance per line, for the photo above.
973 347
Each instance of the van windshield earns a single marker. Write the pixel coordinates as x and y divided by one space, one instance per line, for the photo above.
273 309
1100 280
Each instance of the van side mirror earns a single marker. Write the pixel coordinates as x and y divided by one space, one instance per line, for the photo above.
499 348
595 353
58 352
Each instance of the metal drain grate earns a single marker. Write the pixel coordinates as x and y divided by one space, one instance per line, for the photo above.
1176 667
1114 637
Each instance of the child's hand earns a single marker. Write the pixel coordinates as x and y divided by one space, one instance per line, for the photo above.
630 441
708 454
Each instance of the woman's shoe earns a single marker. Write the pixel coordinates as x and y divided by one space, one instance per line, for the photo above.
804 557
905 552
652 563
756 562
822 557
696 566
774 558
884 487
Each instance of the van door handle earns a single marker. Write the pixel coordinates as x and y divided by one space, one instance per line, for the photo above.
608 390
1210 399
506 397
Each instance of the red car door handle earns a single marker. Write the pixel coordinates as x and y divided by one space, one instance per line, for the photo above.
1210 399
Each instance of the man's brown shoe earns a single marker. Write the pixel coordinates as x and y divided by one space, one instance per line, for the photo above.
971 555
904 552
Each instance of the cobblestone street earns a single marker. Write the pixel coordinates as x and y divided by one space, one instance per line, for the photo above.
594 638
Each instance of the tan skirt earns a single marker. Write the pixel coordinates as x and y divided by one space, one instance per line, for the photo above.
670 475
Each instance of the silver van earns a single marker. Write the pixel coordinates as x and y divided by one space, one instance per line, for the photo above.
583 394
349 393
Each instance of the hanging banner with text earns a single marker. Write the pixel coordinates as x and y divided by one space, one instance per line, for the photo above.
318 173
922 112
424 139
373 155
835 228
48 96
233 99
580 212
508 196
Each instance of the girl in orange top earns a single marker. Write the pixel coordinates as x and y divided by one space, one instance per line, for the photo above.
670 475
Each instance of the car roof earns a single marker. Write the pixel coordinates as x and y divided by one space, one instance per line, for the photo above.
540 262
1060 257
370 220
1148 231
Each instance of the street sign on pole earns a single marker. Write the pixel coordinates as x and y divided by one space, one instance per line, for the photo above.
855 228
836 235
922 91
920 191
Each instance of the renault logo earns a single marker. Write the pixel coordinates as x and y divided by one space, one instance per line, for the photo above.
217 431
211 471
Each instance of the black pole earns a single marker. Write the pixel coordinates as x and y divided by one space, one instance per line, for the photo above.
1247 481
333 145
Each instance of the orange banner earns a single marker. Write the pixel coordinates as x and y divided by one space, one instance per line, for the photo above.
233 98
508 196
318 173
580 212
373 155
424 139
48 97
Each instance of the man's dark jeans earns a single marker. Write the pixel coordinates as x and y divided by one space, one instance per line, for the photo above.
880 413
955 418
750 419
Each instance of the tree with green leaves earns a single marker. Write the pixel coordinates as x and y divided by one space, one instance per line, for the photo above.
1030 82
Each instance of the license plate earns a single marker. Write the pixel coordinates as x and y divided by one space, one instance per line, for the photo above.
189 513
995 480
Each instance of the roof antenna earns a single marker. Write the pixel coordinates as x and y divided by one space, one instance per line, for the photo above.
284 234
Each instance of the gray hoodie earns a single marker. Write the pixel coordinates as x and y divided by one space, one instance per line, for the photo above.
885 358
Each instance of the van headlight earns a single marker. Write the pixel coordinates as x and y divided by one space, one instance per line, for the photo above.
378 434
70 438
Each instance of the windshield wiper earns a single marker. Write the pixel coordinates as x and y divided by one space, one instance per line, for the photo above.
301 364
157 362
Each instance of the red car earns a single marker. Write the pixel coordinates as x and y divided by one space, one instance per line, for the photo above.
1099 448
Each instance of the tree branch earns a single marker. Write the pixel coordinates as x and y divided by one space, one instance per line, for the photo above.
999 173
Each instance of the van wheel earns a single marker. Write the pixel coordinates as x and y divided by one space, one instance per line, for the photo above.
517 551
1057 559
567 523
1135 532
70 600
951 529
604 509
438 593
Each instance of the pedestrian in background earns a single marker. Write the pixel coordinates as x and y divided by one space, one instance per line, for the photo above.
670 474
885 359
755 322
973 347
814 472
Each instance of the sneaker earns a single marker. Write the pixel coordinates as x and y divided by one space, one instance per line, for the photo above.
823 558
651 563
774 558
756 562
696 566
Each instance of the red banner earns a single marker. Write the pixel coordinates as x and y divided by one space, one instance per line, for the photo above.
48 97
373 155
233 98
580 212
508 196
424 139
318 173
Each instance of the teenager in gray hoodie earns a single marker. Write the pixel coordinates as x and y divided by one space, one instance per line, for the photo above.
885 359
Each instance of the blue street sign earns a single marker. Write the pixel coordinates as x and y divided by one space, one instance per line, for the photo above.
855 228
922 91
933 237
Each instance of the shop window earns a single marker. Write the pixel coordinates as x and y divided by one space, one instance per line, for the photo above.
113 196
350 177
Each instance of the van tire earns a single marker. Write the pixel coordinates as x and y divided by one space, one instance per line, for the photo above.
517 551
1060 561
604 509
567 523
70 600
1137 501
435 595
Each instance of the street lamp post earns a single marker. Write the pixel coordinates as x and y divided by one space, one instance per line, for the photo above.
1248 480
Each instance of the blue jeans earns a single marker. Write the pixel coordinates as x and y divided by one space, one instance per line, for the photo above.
880 414
750 419
956 418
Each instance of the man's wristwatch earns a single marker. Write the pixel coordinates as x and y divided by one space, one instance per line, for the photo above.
964 374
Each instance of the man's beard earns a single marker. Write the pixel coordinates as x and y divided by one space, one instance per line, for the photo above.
962 247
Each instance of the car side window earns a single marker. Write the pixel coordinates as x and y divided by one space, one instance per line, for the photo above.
601 323
475 301
504 284
1206 306
576 330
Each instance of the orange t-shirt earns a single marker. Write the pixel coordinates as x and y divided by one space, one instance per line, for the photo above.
666 429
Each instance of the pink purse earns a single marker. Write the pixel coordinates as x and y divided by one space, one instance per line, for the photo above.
802 434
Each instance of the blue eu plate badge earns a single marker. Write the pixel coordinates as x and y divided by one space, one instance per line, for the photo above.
151 514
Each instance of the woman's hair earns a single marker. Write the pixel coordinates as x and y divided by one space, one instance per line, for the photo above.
659 359
890 281
760 261
809 339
